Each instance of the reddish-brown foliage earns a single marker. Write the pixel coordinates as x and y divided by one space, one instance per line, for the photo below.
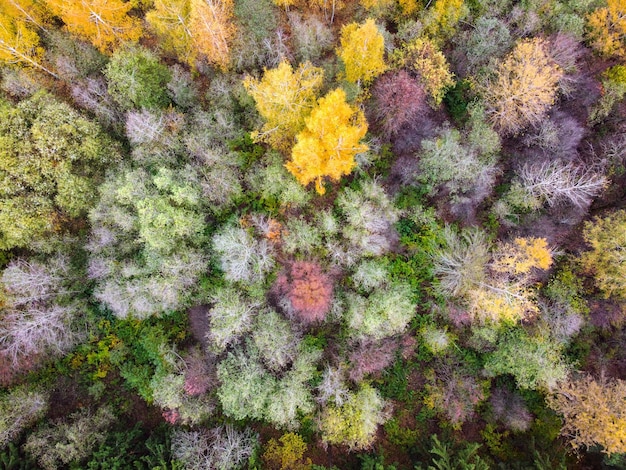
199 375
398 99
307 289
370 357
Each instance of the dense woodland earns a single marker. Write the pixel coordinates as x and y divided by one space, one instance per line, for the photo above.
312 234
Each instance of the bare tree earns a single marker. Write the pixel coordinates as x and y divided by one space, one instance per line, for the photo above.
555 182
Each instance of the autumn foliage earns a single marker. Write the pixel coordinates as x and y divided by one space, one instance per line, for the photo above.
308 290
104 23
524 87
329 141
362 50
593 411
284 98
399 99
607 29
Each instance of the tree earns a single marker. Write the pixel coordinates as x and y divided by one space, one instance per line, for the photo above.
329 142
19 43
556 181
606 259
146 239
355 422
137 79
222 448
594 412
105 23
398 99
423 58
362 51
536 362
284 98
441 19
607 29
213 30
170 19
288 455
523 87
308 291
19 408
50 161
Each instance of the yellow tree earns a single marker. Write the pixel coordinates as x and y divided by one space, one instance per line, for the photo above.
170 19
212 29
607 29
19 44
105 23
284 98
362 50
594 412
523 88
441 20
423 57
329 141
30 11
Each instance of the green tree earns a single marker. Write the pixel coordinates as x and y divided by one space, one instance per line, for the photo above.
51 160
137 79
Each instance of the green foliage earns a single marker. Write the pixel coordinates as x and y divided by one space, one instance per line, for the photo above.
71 441
536 362
12 458
456 100
446 458
354 423
51 159
19 409
137 79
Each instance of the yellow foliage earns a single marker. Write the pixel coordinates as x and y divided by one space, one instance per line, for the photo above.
607 29
501 303
424 58
524 86
523 255
362 51
170 19
284 99
288 454
408 7
285 3
607 257
105 23
593 412
29 11
19 44
376 4
212 29
329 141
442 18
